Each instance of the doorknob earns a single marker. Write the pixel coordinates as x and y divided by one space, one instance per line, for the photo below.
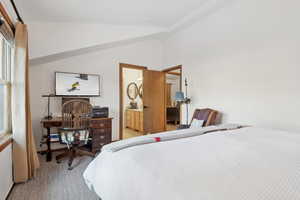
145 107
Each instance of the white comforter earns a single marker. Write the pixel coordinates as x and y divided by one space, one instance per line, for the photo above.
244 164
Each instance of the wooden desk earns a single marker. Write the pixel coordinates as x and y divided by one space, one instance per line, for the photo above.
100 131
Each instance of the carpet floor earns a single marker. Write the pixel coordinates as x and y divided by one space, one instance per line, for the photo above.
55 182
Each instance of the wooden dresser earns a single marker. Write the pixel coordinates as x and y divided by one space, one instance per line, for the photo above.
100 132
134 119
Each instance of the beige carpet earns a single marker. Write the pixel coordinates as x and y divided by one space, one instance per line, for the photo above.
55 182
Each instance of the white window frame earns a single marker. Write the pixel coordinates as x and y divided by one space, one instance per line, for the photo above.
7 60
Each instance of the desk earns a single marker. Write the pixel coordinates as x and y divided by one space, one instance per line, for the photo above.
100 132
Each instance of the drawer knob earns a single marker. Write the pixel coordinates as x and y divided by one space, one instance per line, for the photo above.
102 137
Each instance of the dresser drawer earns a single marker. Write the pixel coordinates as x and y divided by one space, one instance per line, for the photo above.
102 136
101 131
100 124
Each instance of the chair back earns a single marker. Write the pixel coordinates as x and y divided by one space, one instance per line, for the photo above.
76 114
208 115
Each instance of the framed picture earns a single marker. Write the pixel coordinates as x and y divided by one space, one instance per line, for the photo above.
76 84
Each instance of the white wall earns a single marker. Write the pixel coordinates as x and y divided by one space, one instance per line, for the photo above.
6 181
243 60
105 63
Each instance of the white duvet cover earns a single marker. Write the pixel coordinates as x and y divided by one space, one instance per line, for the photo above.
243 164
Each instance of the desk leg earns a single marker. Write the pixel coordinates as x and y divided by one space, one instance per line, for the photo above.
49 153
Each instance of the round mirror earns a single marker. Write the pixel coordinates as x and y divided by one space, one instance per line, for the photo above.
141 91
132 91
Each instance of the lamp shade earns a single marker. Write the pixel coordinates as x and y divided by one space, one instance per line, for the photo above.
179 96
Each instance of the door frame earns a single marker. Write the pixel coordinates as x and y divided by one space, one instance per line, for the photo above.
121 102
168 71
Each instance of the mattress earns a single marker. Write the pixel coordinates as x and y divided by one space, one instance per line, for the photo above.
243 164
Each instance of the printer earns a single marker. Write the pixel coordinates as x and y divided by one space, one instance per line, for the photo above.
100 112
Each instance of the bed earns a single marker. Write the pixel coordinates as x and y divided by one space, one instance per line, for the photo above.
241 164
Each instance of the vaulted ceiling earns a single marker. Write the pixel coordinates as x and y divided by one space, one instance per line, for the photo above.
104 23
163 13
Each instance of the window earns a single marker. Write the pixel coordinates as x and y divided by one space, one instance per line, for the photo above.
5 85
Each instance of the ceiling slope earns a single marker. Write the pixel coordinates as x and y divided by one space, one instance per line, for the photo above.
53 38
56 37
163 13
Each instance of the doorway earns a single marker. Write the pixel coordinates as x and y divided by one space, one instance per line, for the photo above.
131 101
173 84
147 100
142 101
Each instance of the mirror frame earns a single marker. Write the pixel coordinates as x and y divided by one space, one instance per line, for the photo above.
135 88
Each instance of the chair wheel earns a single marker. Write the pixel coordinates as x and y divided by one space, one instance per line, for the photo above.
70 168
58 161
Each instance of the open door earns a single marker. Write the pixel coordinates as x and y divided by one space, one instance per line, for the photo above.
154 113
173 77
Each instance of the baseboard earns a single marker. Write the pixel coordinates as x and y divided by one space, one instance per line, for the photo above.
9 192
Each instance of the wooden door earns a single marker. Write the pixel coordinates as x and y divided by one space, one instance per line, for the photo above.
168 95
154 116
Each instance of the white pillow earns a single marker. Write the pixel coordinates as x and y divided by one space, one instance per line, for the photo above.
196 123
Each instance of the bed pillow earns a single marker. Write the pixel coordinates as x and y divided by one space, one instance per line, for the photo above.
196 123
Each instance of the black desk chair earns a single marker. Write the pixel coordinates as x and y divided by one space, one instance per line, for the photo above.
75 129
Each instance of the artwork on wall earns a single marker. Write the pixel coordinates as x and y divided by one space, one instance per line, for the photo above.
75 84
